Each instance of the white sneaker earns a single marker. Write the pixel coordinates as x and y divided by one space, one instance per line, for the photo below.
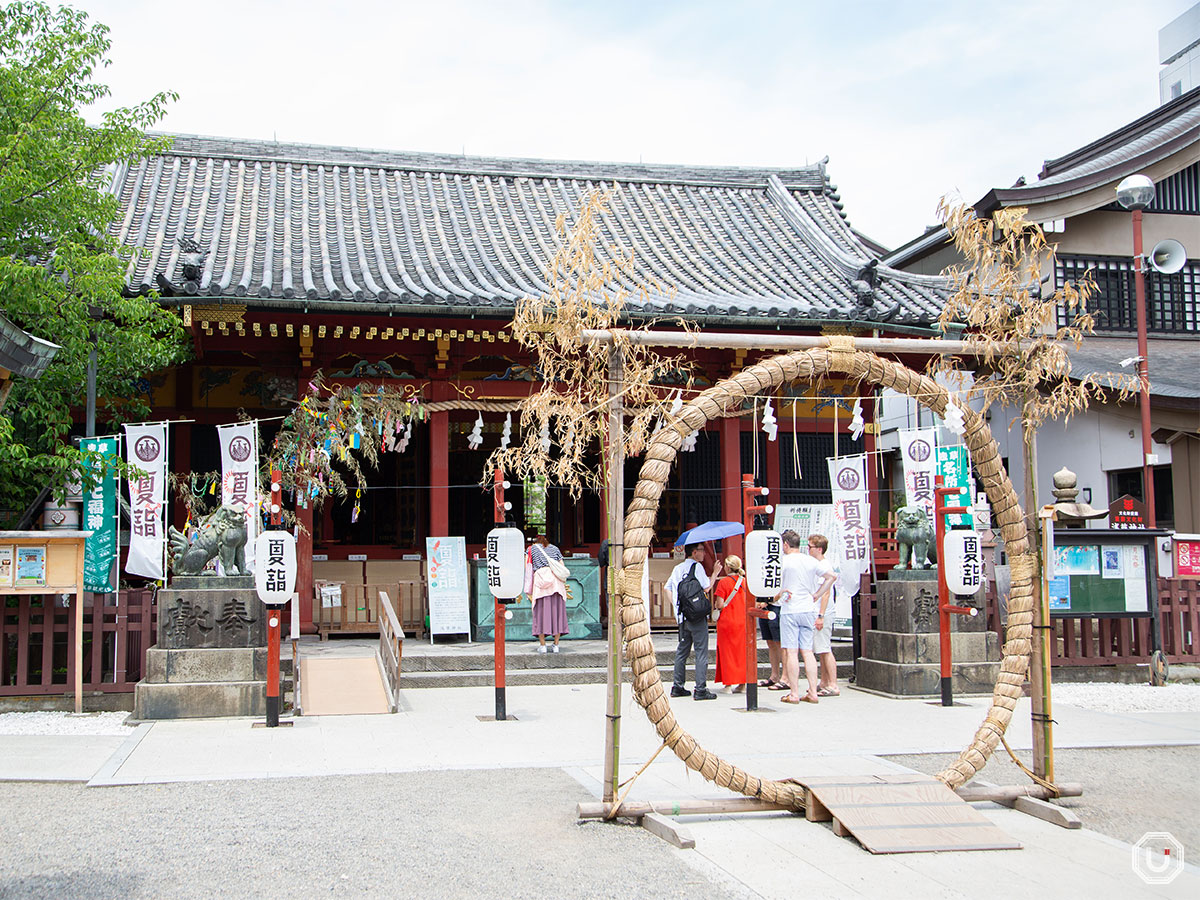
554 648
541 648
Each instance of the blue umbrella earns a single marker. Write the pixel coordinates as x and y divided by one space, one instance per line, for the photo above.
710 531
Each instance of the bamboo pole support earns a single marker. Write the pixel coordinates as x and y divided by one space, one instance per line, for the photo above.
616 550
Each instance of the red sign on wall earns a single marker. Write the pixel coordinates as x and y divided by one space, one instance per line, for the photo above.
1127 513
1187 559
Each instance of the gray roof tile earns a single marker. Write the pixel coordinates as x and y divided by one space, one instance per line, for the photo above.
301 222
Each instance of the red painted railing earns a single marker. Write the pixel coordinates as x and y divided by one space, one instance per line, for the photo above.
37 640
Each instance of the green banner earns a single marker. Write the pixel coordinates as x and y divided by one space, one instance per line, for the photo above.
955 468
535 503
100 518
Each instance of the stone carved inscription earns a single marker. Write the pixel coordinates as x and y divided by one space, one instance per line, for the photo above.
235 616
184 616
924 608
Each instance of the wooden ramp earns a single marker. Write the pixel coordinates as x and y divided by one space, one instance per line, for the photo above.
342 687
901 814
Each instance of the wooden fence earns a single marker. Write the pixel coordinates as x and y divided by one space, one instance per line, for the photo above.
37 640
358 609
1101 640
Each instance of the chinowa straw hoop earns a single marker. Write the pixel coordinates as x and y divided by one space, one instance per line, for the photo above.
725 399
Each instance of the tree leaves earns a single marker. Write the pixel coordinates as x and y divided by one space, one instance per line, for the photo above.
61 272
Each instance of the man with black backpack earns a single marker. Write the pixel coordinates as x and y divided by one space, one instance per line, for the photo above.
688 588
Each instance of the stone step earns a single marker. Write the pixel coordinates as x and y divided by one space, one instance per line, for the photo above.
557 674
199 699
524 656
210 665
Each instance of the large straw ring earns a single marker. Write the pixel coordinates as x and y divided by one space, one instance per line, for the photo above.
725 399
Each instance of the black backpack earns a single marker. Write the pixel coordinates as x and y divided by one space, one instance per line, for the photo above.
694 604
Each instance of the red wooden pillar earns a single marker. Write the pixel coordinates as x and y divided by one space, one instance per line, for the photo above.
439 474
304 567
731 478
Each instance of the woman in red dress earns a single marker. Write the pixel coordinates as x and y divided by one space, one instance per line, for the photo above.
729 596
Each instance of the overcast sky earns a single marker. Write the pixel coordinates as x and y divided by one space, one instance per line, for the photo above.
910 100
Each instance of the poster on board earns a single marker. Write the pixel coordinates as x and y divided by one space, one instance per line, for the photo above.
449 586
31 566
6 566
818 518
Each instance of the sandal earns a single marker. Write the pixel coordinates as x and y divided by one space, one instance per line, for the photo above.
808 699
778 686
826 692
766 682
788 700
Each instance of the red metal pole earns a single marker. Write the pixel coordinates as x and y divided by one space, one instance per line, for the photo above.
753 614
501 609
1139 280
273 615
940 511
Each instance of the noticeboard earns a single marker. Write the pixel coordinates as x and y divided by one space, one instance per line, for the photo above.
1103 573
448 585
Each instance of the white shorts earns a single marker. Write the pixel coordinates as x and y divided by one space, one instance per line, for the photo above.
796 631
822 637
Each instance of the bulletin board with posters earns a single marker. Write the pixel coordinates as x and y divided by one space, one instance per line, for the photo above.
1103 572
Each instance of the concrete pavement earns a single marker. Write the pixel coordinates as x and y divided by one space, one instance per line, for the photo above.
562 727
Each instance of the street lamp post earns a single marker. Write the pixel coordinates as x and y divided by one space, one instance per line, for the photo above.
1135 193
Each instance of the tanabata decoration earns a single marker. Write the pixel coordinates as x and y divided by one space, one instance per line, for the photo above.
347 425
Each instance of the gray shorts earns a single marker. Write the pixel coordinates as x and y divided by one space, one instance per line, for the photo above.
822 637
796 631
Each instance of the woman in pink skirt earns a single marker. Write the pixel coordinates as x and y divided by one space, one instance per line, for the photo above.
545 583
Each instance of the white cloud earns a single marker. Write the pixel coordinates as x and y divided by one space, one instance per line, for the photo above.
910 101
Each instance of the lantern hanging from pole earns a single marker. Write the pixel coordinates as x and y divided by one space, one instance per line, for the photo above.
505 563
962 558
764 563
275 567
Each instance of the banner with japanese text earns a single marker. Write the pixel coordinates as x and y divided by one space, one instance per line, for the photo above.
239 477
954 465
100 516
852 511
918 449
146 450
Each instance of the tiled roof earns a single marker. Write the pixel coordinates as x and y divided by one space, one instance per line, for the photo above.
289 223
1172 363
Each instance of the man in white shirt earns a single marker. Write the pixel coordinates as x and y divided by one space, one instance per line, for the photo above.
691 633
803 599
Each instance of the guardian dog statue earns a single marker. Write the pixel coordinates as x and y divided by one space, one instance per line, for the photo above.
915 537
222 534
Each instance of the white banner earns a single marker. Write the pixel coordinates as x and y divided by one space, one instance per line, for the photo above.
239 477
449 586
918 448
852 510
146 449
817 518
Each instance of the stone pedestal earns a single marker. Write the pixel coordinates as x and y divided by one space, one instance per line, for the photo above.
211 658
902 656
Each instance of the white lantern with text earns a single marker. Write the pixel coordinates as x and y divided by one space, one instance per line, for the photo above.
505 563
962 558
275 575
764 563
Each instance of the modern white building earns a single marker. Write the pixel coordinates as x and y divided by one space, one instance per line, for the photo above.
1179 54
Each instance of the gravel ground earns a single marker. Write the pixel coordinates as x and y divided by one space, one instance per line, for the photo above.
1127 791
501 833
1129 697
64 723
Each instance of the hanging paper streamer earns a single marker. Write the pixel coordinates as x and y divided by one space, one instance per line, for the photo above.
856 423
677 403
403 445
506 434
953 420
475 438
544 437
570 437
769 426
689 442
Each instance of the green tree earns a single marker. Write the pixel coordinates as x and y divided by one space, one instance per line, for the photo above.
61 273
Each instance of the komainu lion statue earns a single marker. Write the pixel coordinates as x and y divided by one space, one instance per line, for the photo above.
222 534
914 535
